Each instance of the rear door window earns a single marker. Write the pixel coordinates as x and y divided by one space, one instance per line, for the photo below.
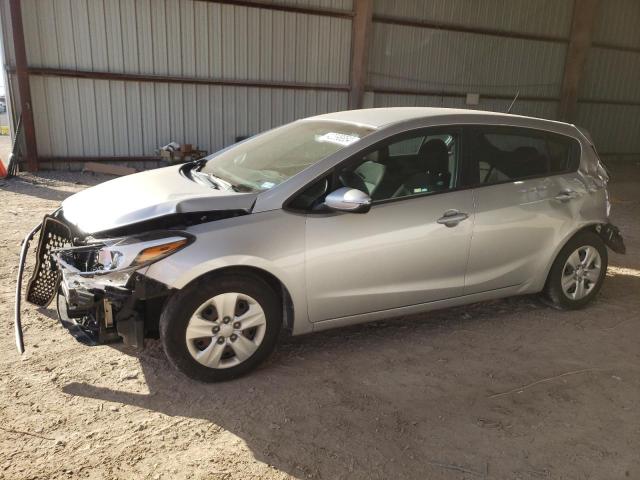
504 154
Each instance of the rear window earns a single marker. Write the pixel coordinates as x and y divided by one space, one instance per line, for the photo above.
507 154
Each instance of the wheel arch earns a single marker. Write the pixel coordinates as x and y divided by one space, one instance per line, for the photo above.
251 271
592 227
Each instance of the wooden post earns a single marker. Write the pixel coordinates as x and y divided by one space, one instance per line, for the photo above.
361 32
24 89
584 13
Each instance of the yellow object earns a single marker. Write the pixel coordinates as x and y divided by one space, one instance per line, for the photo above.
4 129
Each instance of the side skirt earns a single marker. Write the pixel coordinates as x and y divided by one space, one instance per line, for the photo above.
419 308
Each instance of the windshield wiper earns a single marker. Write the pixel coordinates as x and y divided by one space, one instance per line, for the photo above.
206 177
198 164
195 167
216 182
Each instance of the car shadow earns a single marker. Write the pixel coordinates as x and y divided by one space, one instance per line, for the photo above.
380 400
289 405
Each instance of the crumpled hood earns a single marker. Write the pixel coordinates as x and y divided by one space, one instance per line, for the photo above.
145 196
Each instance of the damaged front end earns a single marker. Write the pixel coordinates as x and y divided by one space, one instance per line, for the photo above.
101 293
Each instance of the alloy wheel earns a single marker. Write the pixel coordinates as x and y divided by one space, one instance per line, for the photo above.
581 272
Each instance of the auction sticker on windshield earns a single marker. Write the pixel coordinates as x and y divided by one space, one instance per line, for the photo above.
338 138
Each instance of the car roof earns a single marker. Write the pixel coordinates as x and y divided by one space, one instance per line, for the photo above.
382 117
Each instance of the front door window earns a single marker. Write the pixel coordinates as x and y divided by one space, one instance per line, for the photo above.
415 165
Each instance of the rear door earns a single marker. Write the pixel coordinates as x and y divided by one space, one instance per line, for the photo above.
526 188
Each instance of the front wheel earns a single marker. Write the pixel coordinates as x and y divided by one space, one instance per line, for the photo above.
219 328
578 271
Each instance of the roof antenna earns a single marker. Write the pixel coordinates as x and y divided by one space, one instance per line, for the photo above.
513 102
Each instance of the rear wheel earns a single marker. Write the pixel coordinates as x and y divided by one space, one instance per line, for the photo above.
218 328
578 271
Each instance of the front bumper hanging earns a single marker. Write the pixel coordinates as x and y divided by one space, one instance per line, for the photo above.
17 324
43 285
44 282
95 310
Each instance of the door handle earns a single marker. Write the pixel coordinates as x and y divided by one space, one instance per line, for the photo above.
566 195
451 218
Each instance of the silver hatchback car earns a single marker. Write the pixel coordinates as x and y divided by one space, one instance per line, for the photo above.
328 221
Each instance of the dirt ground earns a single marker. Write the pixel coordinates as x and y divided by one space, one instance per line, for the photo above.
507 389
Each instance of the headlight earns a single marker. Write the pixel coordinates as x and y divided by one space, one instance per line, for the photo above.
126 254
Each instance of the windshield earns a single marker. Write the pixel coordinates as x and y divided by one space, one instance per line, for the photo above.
269 159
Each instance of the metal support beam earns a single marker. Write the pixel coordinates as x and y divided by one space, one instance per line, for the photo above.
24 89
584 13
361 32
137 77
327 12
453 93
452 27
133 158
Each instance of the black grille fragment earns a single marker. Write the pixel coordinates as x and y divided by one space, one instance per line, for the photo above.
43 285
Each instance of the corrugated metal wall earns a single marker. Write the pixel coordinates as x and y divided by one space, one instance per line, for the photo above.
423 58
609 105
187 38
344 5
543 109
7 34
84 117
450 63
617 23
422 52
9 59
544 17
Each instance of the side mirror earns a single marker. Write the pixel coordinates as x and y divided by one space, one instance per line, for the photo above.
347 199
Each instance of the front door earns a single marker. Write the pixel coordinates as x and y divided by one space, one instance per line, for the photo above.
410 248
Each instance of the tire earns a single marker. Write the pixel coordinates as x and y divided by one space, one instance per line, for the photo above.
193 311
563 272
